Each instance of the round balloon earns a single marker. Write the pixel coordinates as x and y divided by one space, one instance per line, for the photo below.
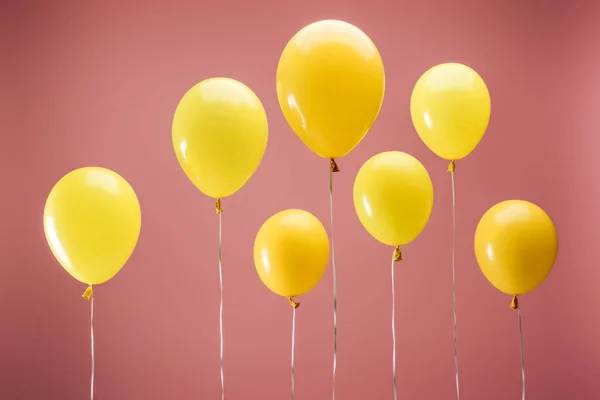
330 85
450 108
393 197
220 135
92 221
291 252
515 246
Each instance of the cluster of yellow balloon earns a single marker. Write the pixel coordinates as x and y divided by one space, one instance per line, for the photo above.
515 241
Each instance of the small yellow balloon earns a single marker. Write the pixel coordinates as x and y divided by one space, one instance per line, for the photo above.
92 221
450 108
291 252
330 86
515 246
220 135
393 197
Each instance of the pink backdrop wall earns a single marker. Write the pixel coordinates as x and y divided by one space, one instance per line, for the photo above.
97 84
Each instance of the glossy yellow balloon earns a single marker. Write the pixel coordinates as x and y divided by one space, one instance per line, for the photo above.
330 85
291 252
393 197
515 246
92 222
450 109
220 135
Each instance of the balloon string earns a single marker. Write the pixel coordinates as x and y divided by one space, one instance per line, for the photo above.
396 256
91 294
219 211
451 169
333 168
294 305
514 304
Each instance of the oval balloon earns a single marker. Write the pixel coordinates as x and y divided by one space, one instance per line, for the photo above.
330 86
291 252
92 222
450 108
515 246
393 197
220 135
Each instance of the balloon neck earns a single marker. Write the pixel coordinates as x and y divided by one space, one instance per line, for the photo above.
333 166
514 303
452 167
293 303
89 292
218 208
397 254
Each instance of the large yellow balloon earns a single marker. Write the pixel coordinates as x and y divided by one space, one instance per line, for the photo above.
220 135
450 109
515 246
330 85
393 197
92 222
291 252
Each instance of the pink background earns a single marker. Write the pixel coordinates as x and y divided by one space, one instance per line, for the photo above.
97 84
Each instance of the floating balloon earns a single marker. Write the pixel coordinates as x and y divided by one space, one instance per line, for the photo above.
291 252
220 135
330 86
450 109
92 221
393 197
515 246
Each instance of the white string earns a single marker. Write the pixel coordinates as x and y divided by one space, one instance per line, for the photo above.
334 280
221 307
92 344
454 281
394 326
522 356
293 349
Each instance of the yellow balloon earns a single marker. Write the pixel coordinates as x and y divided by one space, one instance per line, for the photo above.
291 252
92 221
515 246
330 85
220 135
393 197
450 109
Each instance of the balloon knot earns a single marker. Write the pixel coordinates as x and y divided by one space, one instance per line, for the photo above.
293 303
218 208
89 291
333 166
452 166
397 254
514 303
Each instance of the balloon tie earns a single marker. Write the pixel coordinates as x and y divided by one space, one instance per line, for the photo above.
89 291
451 169
452 166
333 165
397 254
294 305
515 306
334 168
219 212
514 303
